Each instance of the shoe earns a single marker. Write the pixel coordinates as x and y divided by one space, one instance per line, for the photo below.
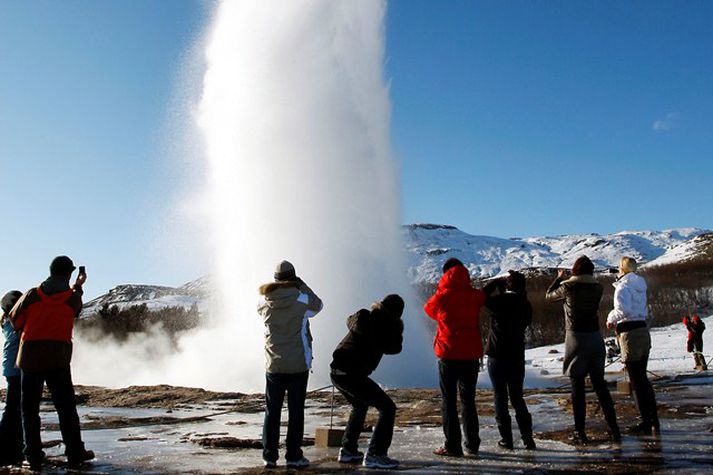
579 437
269 463
379 461
529 443
505 444
75 461
444 452
299 463
347 456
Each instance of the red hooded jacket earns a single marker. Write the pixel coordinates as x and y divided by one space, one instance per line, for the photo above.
456 308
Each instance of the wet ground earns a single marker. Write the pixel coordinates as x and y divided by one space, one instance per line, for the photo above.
163 429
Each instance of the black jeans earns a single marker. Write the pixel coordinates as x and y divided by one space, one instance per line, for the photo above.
362 392
295 385
11 424
643 392
507 376
59 383
458 377
579 404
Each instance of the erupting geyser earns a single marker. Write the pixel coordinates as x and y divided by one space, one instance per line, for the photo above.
295 117
295 112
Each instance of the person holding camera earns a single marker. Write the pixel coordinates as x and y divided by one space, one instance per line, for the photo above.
511 314
372 334
584 352
628 319
286 305
44 316
11 423
456 309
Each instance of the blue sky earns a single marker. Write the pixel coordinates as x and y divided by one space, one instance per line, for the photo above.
510 119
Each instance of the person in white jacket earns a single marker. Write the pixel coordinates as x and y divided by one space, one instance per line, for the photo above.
629 319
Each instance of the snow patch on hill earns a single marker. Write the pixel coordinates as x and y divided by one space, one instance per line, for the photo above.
428 246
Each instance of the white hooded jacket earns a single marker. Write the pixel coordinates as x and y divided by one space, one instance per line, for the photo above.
629 299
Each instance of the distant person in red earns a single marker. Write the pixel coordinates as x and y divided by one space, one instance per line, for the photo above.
44 316
696 327
456 309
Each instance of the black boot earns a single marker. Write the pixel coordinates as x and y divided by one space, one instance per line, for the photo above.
524 422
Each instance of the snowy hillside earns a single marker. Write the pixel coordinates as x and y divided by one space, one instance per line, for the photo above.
154 296
700 246
430 245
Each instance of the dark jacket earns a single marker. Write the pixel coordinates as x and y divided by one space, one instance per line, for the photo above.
580 295
372 334
44 316
511 314
456 309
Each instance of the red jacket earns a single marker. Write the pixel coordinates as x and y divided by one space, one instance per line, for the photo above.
456 308
46 323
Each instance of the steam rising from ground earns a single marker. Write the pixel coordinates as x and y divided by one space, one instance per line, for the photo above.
295 114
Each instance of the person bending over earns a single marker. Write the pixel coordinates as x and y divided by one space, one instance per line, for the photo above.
372 334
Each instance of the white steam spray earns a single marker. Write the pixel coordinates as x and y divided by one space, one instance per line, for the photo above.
295 113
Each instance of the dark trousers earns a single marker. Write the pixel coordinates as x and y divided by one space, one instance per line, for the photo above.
459 378
11 424
277 384
362 392
643 392
507 376
579 404
59 383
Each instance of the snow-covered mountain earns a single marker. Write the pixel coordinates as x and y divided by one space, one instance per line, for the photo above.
154 296
428 246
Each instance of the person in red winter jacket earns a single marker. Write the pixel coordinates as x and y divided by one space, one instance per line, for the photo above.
694 344
456 309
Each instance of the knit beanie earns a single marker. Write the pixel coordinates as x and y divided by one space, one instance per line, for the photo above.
583 266
9 300
452 262
394 304
285 271
62 266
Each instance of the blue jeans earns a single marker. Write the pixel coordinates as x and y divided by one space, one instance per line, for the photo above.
11 424
277 384
59 383
507 376
459 378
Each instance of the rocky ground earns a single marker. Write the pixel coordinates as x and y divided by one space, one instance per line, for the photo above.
163 429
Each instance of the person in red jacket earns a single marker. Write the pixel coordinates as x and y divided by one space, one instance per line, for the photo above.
458 346
695 327
44 316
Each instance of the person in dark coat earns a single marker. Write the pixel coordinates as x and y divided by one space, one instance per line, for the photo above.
372 334
584 346
11 424
456 309
511 314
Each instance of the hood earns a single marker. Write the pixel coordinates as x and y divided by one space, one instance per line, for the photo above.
455 278
634 281
54 285
279 294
